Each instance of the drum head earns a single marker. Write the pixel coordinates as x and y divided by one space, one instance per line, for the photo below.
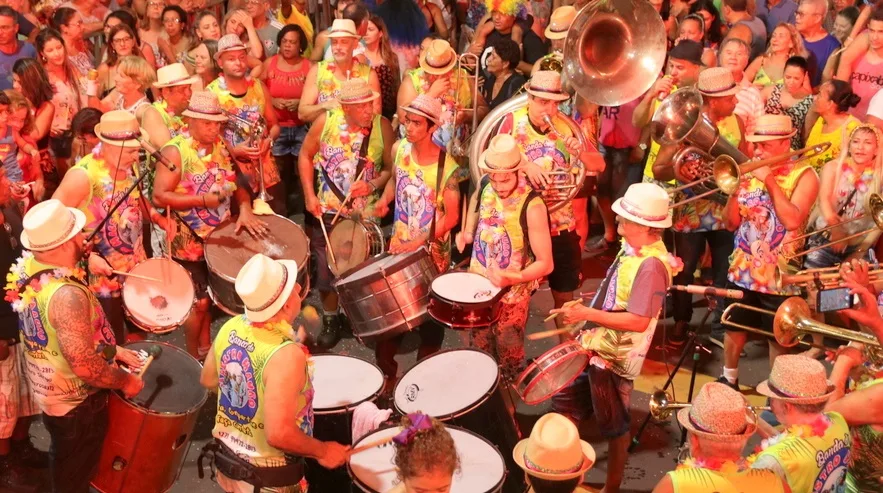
464 287
226 252
482 469
342 382
350 245
551 372
448 383
159 306
171 384
384 263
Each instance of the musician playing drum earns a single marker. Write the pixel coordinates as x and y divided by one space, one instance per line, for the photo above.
94 186
344 144
769 208
624 313
66 339
247 102
262 376
509 254
199 193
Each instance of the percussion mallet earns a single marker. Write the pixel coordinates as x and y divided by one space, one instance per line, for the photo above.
347 198
376 443
153 352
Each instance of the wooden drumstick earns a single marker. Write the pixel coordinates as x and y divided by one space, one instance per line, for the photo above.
565 305
168 236
136 276
376 443
327 241
347 198
465 211
548 333
153 352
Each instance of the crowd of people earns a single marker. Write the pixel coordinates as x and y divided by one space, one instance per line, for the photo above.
132 130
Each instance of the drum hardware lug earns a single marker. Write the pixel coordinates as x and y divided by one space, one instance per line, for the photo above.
119 463
472 317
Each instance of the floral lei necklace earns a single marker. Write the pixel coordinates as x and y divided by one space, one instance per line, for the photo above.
818 427
673 261
20 294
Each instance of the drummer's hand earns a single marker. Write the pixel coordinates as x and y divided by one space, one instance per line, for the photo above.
571 314
361 189
131 359
381 208
98 265
406 246
311 205
249 221
496 276
462 239
213 200
334 456
538 177
168 225
132 386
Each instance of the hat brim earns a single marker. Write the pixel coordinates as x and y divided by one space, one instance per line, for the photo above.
122 143
204 116
618 209
553 96
374 95
482 159
750 427
764 138
184 82
429 69
729 92
763 388
588 461
420 113
79 224
228 50
343 34
273 309
550 34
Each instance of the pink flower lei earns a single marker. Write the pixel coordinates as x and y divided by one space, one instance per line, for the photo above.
818 427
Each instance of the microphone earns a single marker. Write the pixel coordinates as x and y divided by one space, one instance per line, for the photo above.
154 153
709 291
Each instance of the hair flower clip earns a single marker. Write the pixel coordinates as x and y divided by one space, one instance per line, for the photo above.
419 422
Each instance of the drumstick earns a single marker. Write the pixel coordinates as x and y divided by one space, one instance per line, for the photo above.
370 445
465 211
548 333
327 241
565 305
136 276
347 198
168 236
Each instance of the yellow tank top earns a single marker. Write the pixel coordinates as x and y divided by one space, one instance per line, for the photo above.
761 78
174 122
816 136
459 95
119 240
241 353
337 162
329 86
698 479
56 388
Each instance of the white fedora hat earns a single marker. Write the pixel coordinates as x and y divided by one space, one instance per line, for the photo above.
343 28
174 75
265 285
50 224
797 379
645 203
560 22
554 450
502 156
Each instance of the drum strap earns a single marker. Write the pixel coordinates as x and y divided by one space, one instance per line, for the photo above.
363 151
238 469
440 170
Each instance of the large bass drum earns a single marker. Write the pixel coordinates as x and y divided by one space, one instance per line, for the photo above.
148 436
226 252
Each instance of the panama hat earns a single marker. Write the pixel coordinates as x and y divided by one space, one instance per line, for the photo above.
265 285
204 105
439 58
174 75
343 28
425 106
717 82
771 127
560 22
797 379
502 156
50 224
120 128
553 450
719 413
227 43
355 91
546 84
645 203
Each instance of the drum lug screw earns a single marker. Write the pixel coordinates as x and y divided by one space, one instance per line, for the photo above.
119 464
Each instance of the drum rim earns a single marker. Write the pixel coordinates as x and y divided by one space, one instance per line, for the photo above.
460 412
348 408
367 244
527 380
375 276
164 329
496 488
493 301
151 412
495 315
303 272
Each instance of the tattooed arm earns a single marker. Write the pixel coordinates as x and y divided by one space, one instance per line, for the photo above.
70 311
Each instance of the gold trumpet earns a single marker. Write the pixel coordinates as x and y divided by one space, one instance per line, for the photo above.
826 277
662 407
873 209
727 174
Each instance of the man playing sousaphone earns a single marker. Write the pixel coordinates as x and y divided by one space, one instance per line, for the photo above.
623 314
350 148
770 206
508 226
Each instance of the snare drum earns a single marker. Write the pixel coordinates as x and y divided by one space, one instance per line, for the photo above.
158 307
464 300
551 372
482 468
353 242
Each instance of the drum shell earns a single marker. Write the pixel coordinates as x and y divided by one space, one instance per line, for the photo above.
387 303
465 315
374 245
568 357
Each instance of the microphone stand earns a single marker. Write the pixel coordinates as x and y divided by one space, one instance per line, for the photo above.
116 206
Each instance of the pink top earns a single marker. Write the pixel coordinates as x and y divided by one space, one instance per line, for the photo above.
866 80
617 130
286 85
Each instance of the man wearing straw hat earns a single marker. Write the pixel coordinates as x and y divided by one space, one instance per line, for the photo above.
97 182
719 423
813 451
770 207
504 250
623 317
349 147
553 458
427 208
262 375
199 194
556 33
66 340
325 79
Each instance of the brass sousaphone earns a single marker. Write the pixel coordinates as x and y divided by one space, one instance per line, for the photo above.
613 53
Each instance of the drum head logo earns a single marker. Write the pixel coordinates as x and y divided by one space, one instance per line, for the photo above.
411 392
239 396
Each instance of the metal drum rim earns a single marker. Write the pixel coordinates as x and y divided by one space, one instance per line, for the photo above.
165 328
371 277
527 380
150 412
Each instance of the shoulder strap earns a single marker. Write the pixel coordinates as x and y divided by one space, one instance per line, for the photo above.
522 218
482 186
439 171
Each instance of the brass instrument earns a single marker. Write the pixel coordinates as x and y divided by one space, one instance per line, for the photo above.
553 62
662 407
822 278
468 66
873 209
256 131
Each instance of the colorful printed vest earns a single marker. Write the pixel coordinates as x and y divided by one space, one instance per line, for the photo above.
693 479
416 202
249 108
863 475
329 86
457 96
707 215
811 464
621 351
761 236
501 235
546 151
337 162
119 240
241 353
201 174
56 388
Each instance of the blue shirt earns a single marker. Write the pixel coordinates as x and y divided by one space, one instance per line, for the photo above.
785 12
819 51
25 50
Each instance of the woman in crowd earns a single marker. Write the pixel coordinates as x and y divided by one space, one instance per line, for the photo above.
205 26
769 69
21 122
116 18
426 457
385 63
714 31
151 30
70 24
791 97
176 40
503 81
693 28
238 22
68 98
204 63
121 43
843 25
844 22
663 7
134 76
832 104
29 78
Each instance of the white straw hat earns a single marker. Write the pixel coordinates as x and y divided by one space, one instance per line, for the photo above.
120 128
554 450
265 285
50 224
645 203
174 75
